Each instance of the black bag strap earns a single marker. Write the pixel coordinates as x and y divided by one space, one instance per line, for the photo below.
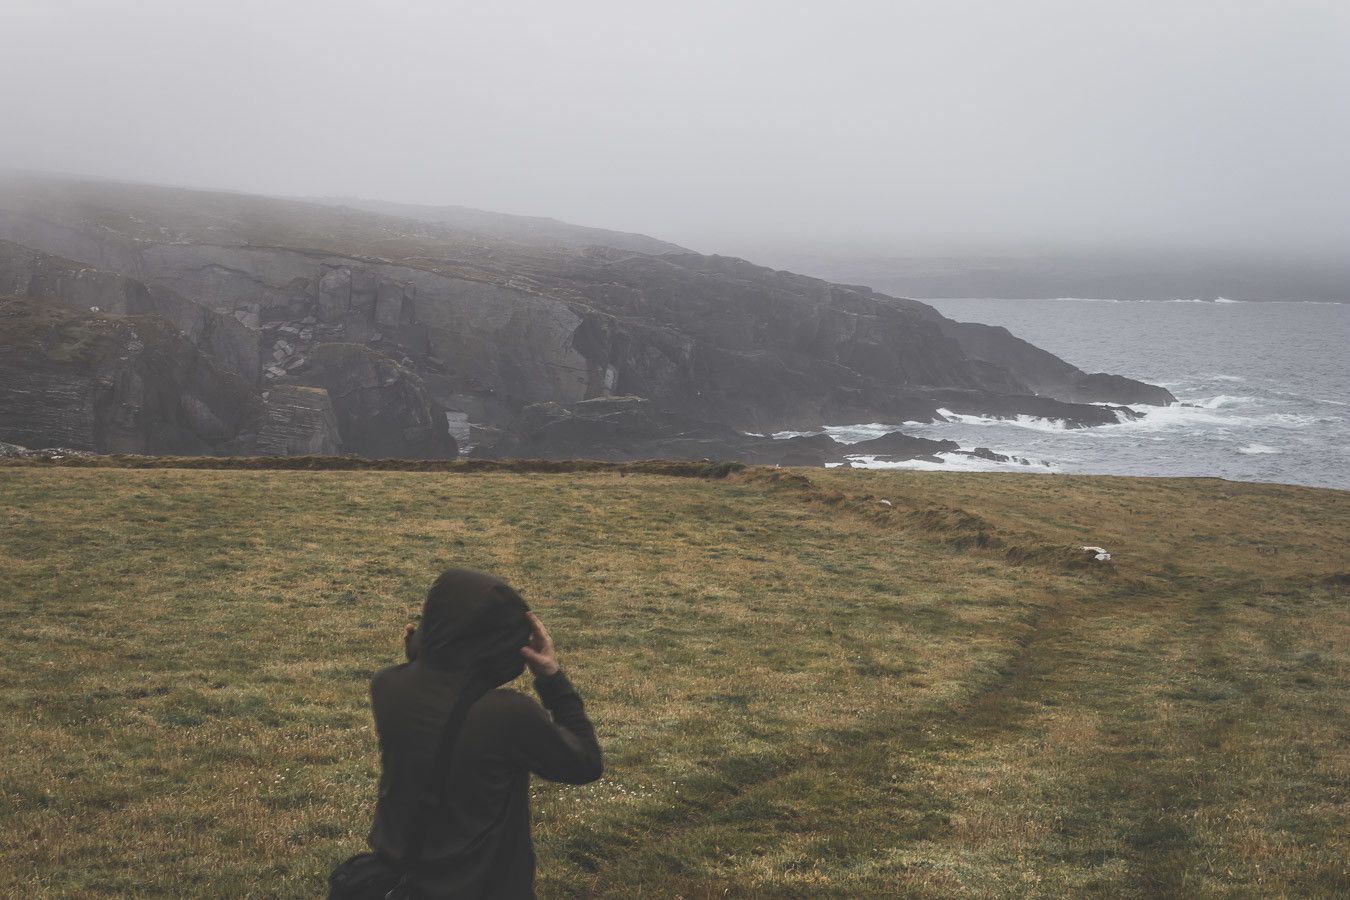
434 798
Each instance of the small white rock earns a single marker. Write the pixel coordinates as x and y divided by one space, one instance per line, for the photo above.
1100 554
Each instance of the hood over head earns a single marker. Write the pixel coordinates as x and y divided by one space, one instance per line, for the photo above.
473 621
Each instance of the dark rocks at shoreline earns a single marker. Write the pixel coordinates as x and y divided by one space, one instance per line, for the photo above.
618 428
1073 415
901 446
987 454
1125 390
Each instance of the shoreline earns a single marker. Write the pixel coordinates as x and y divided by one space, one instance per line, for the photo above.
658 467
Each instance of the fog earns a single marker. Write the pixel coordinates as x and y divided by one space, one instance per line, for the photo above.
885 127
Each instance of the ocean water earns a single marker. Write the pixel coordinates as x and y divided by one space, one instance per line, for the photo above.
1263 390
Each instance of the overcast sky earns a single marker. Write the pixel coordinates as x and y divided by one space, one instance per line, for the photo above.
904 127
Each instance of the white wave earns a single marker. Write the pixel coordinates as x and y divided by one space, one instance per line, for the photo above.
1226 300
1022 421
1258 449
1228 378
1222 401
1212 415
950 462
850 434
1220 415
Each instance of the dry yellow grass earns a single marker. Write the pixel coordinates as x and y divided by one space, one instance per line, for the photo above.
800 691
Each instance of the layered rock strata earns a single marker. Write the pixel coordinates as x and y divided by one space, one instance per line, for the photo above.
122 385
28 273
297 421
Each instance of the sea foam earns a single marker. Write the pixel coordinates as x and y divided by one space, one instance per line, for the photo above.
1034 422
950 462
1212 412
850 434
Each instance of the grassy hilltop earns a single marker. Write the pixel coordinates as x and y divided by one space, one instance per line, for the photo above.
801 691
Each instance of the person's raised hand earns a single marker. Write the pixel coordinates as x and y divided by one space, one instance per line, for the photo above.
409 645
539 653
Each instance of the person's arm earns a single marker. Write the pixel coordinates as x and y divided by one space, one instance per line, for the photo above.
563 748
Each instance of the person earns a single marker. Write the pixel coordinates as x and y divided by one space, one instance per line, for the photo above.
475 629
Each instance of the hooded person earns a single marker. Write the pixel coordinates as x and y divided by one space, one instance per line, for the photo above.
475 842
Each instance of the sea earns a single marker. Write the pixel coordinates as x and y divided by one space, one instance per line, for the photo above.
1262 388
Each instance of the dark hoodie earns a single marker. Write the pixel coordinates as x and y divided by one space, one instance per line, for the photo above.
479 843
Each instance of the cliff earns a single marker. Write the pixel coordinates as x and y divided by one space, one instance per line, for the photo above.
487 325
88 381
94 381
27 273
381 408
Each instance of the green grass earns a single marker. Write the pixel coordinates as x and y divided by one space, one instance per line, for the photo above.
801 692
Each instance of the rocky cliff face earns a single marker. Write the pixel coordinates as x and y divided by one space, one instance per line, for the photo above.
297 421
124 385
94 381
1046 374
28 273
485 326
381 408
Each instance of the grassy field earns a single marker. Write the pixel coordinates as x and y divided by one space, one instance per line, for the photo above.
801 690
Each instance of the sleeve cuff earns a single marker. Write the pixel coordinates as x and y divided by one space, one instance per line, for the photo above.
555 685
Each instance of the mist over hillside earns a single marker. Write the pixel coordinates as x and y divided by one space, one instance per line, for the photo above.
1138 275
926 130
535 230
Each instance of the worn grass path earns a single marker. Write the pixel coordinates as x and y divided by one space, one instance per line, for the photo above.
801 691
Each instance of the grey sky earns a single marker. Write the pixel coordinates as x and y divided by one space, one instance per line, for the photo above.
895 126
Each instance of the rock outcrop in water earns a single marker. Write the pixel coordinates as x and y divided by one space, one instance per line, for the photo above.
444 319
